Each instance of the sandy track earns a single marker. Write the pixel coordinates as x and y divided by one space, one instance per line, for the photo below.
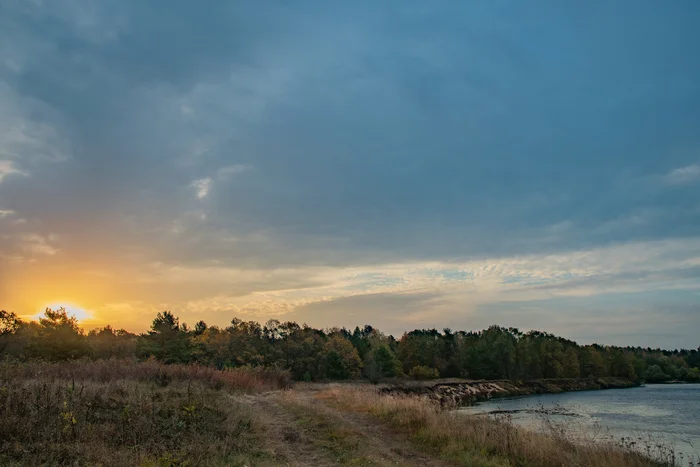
304 431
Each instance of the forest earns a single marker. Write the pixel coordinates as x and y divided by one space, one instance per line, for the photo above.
310 354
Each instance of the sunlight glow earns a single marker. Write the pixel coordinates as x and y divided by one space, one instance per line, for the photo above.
73 310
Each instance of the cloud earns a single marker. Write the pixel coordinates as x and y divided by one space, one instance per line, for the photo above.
6 213
388 312
30 130
8 168
225 173
359 150
202 187
36 244
23 247
683 175
429 292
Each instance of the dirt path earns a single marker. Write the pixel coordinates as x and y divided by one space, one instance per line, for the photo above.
287 442
304 431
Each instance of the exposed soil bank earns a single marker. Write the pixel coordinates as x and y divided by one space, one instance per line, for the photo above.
463 392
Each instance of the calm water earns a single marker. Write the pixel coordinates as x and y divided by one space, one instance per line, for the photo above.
669 413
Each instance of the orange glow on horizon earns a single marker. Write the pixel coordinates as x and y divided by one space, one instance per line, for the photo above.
81 314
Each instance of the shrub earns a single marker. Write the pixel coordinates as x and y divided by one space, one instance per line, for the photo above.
655 374
421 372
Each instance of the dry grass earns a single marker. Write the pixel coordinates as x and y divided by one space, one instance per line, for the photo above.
342 443
478 441
121 423
116 412
243 378
129 413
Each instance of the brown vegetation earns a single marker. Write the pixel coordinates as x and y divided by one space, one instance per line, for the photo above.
128 413
477 440
123 412
242 378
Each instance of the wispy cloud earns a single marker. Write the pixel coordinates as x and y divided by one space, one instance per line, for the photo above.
8 168
202 187
30 130
36 244
683 175
629 268
225 173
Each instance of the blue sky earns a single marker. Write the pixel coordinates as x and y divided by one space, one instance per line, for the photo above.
406 164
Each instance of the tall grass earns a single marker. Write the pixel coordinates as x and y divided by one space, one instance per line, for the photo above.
478 440
116 413
49 422
242 378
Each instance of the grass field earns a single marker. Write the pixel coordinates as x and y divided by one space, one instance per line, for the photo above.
116 413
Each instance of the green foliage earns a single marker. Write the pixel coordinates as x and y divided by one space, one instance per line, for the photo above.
168 341
692 375
314 354
56 336
421 372
592 365
9 325
109 343
335 366
655 374
342 359
382 363
570 366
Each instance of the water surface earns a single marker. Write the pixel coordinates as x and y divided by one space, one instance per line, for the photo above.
666 413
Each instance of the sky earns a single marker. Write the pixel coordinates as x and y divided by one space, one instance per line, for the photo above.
406 164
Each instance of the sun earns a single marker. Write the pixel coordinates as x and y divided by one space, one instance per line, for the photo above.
80 314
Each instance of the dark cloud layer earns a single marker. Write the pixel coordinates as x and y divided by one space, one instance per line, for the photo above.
332 134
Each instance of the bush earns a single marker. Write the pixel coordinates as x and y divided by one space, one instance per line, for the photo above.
421 372
693 375
655 374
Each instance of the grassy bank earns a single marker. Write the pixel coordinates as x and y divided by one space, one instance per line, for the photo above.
477 441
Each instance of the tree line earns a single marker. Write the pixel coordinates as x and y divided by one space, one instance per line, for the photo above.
321 354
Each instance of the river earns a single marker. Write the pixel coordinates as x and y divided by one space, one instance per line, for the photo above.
667 414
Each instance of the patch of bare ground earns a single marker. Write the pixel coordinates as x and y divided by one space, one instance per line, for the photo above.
303 430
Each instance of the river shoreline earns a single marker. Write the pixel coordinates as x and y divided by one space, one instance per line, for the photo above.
656 418
469 392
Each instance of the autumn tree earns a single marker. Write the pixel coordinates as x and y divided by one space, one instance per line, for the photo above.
342 357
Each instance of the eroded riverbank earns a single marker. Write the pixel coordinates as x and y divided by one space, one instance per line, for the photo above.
465 392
